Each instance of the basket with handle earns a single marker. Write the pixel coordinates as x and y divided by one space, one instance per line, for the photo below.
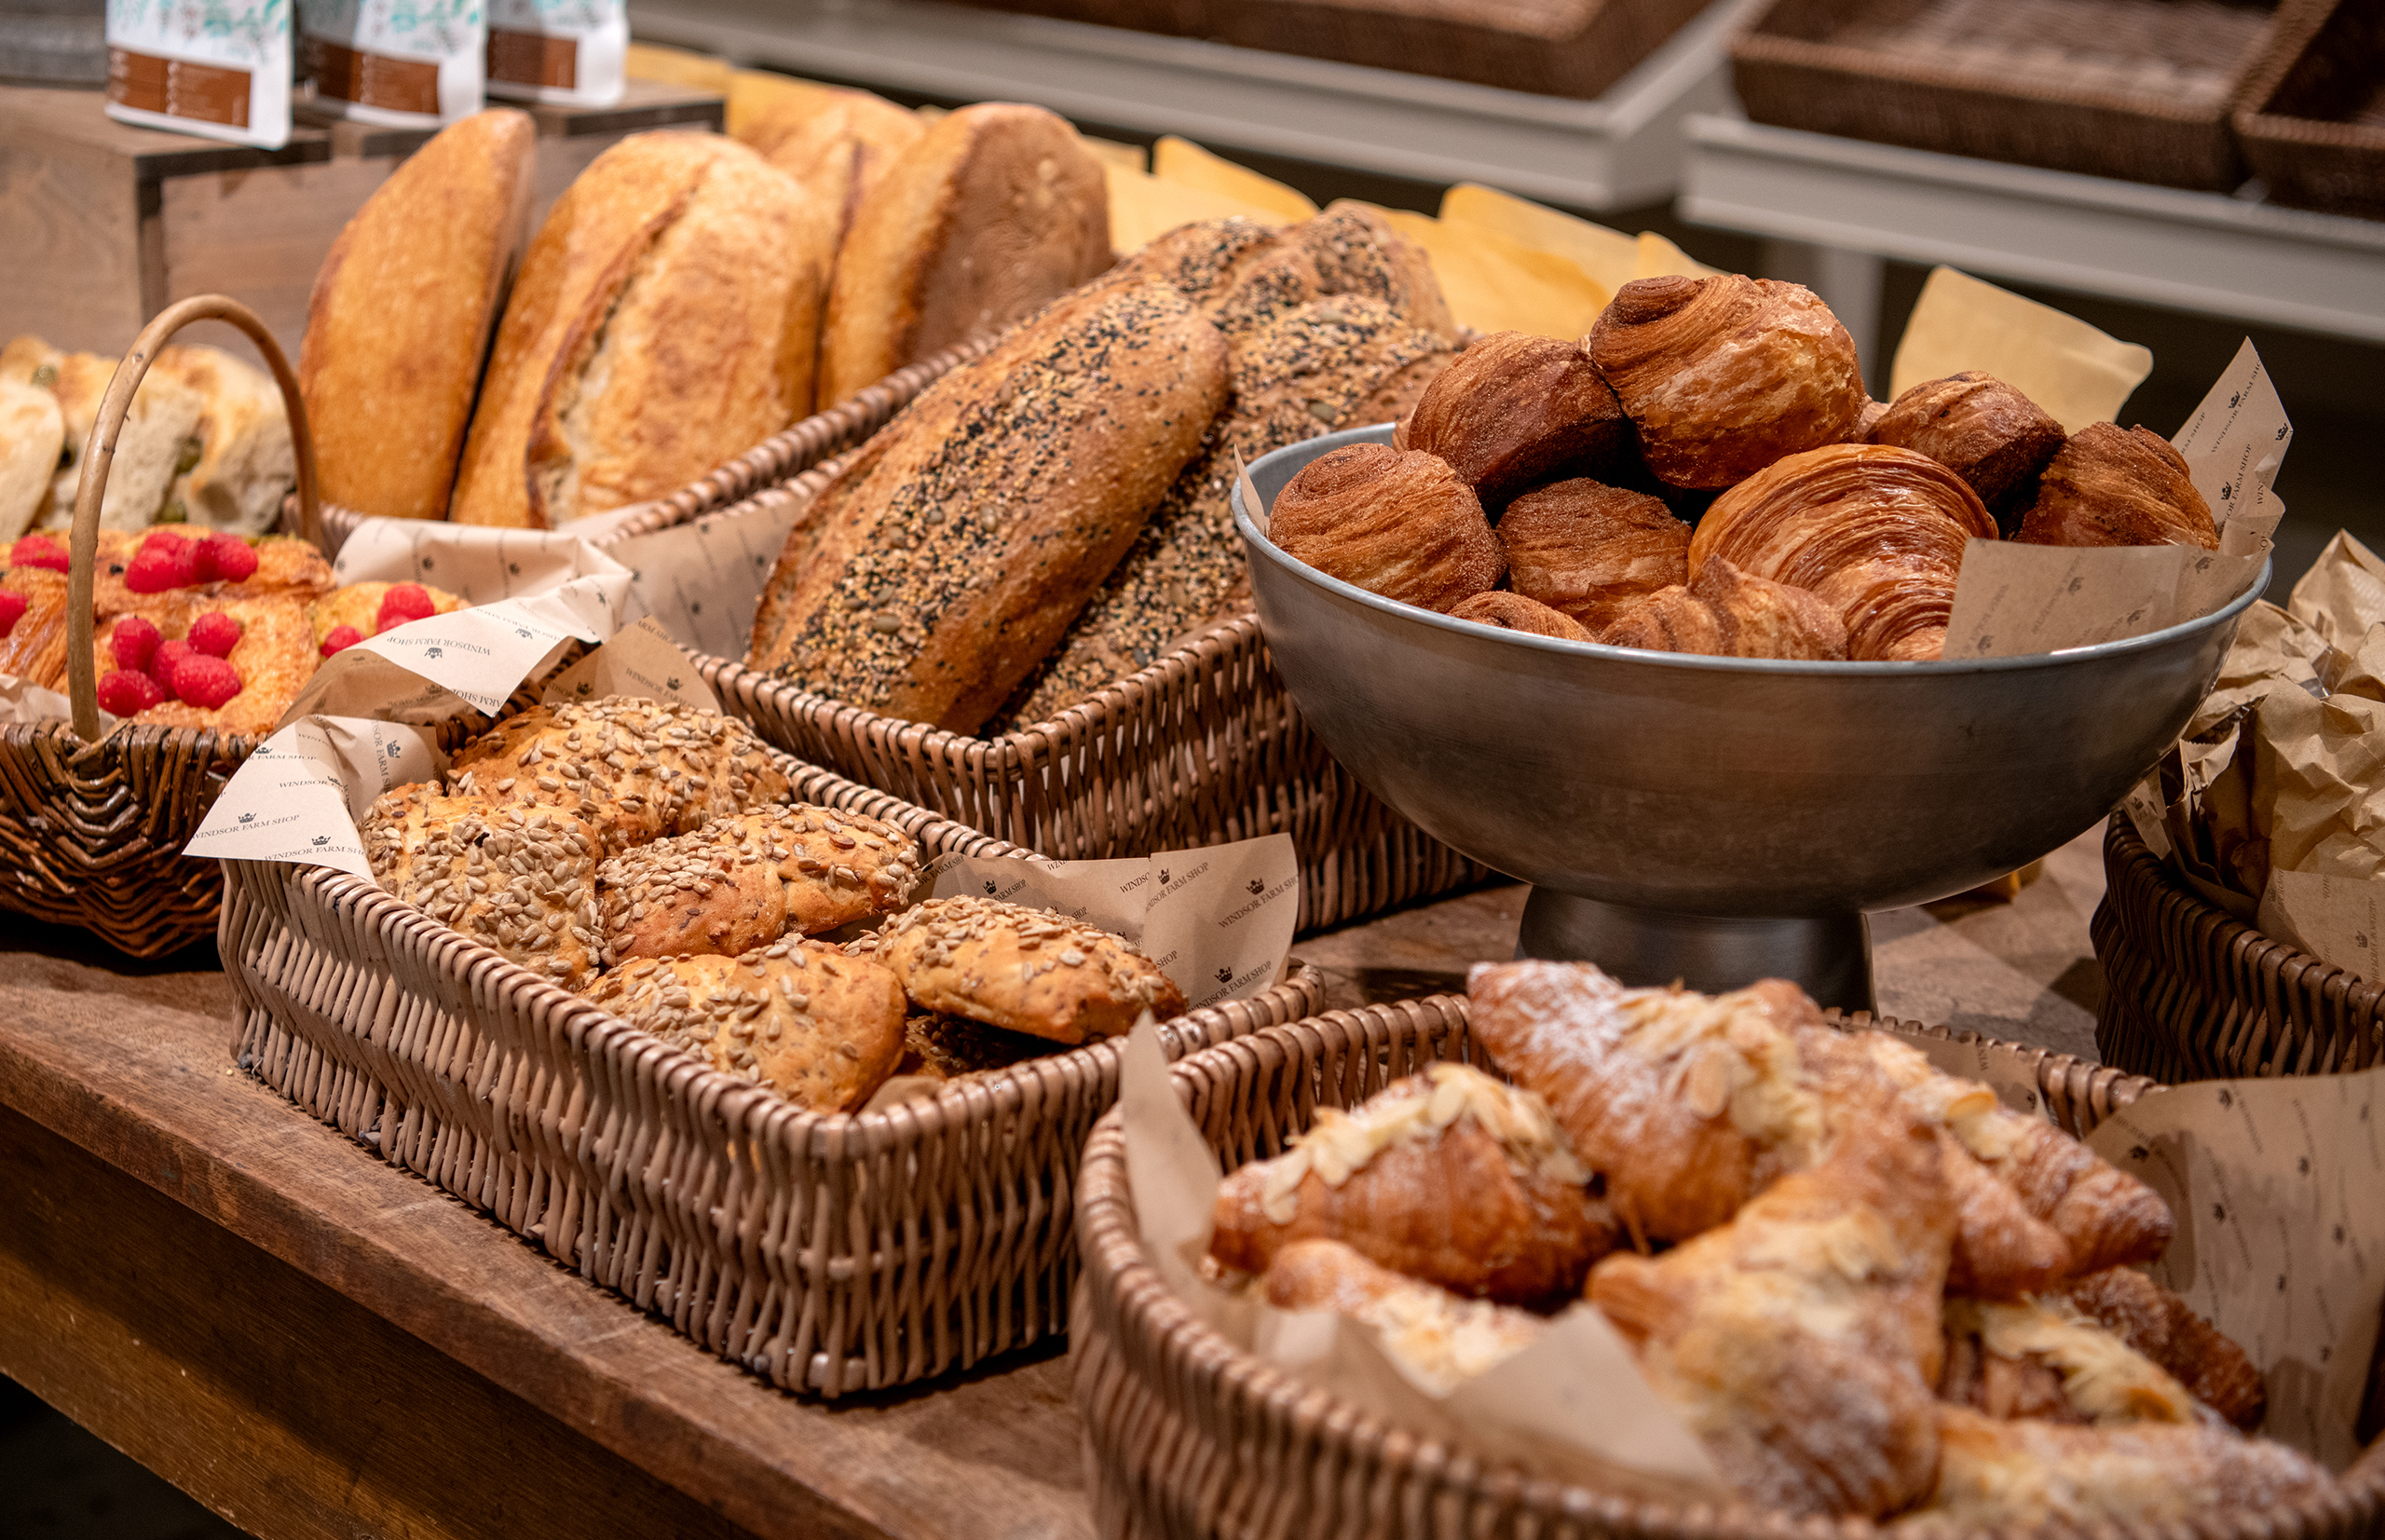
1188 1436
91 827
829 1253
2192 993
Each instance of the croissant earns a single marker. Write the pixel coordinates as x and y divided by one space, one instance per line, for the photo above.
1514 612
2047 1361
2017 1476
1802 1338
1393 521
1514 410
1878 534
1443 1340
1449 1176
1723 376
2110 487
1726 613
1591 550
2166 1329
1981 429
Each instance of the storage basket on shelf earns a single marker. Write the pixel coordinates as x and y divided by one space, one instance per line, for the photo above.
2139 89
2312 122
2191 993
91 828
828 1253
1189 1435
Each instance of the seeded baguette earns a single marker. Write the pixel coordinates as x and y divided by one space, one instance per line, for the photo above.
744 881
1021 969
522 879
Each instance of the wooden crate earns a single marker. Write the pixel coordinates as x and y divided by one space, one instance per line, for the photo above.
110 223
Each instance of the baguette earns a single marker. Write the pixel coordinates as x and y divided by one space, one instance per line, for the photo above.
662 323
399 319
953 552
993 212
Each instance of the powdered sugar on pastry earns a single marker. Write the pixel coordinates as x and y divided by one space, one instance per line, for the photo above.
2104 1379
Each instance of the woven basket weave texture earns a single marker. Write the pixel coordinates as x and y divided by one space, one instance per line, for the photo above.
2313 121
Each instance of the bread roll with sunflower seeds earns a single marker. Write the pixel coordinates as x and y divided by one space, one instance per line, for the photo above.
1021 969
519 879
744 881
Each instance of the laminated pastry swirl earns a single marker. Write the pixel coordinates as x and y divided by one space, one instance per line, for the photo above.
1877 533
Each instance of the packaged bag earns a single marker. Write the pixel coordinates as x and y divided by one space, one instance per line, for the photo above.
568 51
403 63
220 70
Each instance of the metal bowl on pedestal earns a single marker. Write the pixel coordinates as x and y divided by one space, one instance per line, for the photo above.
1716 820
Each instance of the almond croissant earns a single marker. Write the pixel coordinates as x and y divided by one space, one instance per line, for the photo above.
1875 533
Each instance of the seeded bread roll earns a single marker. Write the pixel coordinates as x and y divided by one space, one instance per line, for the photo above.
996 210
938 1045
1516 410
1020 969
743 881
634 770
939 568
1396 523
1592 550
400 315
519 880
820 1029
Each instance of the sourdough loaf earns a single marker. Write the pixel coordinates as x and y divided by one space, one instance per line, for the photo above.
838 152
158 439
946 560
994 211
33 439
399 319
661 323
245 464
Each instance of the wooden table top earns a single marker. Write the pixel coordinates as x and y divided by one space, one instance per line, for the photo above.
312 1342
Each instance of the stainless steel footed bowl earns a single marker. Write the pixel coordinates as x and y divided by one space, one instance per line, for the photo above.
1716 819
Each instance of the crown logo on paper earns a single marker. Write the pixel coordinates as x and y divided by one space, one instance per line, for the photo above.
2226 1096
396 750
248 817
2138 1153
514 568
322 839
1225 975
1256 887
671 684
991 887
430 652
1163 876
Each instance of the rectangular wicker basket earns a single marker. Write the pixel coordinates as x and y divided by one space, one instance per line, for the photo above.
2139 89
827 1254
2313 119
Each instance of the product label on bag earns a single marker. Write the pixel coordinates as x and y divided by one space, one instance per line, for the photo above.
221 70
399 62
574 52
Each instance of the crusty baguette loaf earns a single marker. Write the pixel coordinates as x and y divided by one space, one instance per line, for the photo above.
993 212
946 563
399 319
662 323
838 152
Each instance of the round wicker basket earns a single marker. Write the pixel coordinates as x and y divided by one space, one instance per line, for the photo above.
2191 993
1189 1435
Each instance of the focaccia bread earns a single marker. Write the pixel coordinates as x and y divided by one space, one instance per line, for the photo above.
399 322
821 1029
157 443
993 212
1020 969
742 881
518 879
947 561
33 439
634 770
662 323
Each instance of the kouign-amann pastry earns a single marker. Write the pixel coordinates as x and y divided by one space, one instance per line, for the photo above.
821 1029
1514 612
1723 376
1447 1176
1981 429
745 879
2110 487
1724 612
1442 1338
1875 533
1516 410
520 879
1802 1339
1397 524
2166 1329
1591 550
634 770
2028 1359
1020 969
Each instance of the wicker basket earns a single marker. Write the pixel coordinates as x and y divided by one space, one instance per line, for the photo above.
826 1253
2313 121
2140 89
1188 1436
2191 993
91 828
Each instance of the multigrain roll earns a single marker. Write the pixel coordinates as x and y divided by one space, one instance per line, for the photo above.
1348 248
1592 550
994 211
1981 429
519 879
743 881
1516 410
1021 969
1398 523
399 319
663 321
2113 487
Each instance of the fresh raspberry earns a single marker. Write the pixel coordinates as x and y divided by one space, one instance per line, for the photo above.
338 639
215 634
205 682
127 692
404 602
12 609
38 550
163 661
226 558
133 642
164 561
